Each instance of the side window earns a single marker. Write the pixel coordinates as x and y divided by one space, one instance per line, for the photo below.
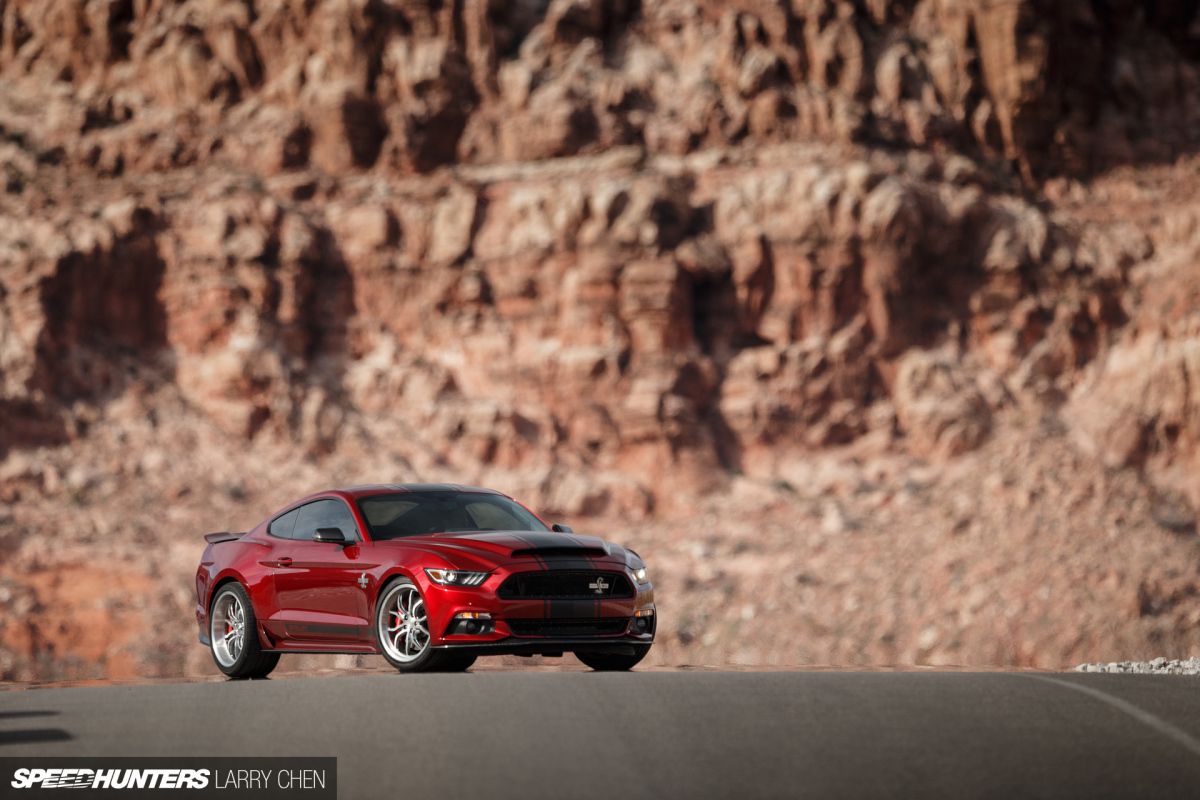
281 527
325 514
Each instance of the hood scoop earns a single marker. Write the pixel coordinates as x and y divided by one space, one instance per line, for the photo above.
561 552
522 544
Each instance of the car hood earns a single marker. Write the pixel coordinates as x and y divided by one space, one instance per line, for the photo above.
506 547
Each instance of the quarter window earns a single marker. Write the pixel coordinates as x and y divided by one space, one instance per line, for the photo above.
281 527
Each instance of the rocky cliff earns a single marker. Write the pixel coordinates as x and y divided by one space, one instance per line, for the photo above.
873 323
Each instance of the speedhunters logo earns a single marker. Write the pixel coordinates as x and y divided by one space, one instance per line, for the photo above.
314 778
110 779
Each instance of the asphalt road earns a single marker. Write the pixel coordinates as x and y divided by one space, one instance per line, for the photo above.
659 734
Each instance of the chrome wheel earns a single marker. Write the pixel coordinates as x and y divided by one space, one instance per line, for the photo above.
403 624
228 629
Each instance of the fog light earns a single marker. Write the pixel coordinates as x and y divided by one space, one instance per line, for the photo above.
471 623
643 620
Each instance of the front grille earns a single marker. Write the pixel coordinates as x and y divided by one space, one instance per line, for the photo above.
565 585
568 627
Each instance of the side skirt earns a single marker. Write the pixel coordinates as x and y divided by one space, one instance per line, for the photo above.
331 648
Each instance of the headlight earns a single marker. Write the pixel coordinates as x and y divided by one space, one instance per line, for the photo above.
452 577
640 575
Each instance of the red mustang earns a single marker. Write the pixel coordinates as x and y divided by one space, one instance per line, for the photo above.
430 576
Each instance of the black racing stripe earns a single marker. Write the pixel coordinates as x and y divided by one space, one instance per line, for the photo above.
537 539
540 562
325 630
595 603
591 565
530 545
571 609
573 564
549 539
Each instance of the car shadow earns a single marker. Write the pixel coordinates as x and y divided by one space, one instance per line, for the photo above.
21 714
34 736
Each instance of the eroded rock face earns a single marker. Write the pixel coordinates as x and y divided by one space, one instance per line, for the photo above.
1137 406
708 309
1045 85
938 406
705 315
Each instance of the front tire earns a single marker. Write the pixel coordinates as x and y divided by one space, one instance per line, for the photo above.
614 662
455 662
402 631
233 635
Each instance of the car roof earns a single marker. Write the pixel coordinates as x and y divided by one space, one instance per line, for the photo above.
352 493
356 492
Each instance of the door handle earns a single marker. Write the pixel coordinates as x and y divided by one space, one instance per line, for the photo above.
285 562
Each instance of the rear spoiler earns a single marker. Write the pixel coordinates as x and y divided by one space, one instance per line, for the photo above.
223 536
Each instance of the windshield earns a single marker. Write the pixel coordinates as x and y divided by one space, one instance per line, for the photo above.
394 516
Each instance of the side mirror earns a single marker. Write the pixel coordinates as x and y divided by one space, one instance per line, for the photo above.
330 535
557 528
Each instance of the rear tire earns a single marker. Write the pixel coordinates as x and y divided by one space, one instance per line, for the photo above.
233 635
614 662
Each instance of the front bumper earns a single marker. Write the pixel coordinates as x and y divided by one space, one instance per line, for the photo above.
514 628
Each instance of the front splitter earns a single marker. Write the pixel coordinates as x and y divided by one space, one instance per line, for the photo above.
537 647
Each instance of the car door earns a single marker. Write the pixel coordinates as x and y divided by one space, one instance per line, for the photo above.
317 583
279 539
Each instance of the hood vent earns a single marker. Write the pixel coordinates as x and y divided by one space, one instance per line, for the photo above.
562 552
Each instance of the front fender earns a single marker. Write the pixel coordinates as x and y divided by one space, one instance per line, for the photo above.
391 573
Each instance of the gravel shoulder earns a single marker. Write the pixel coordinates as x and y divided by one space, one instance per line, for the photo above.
1159 666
